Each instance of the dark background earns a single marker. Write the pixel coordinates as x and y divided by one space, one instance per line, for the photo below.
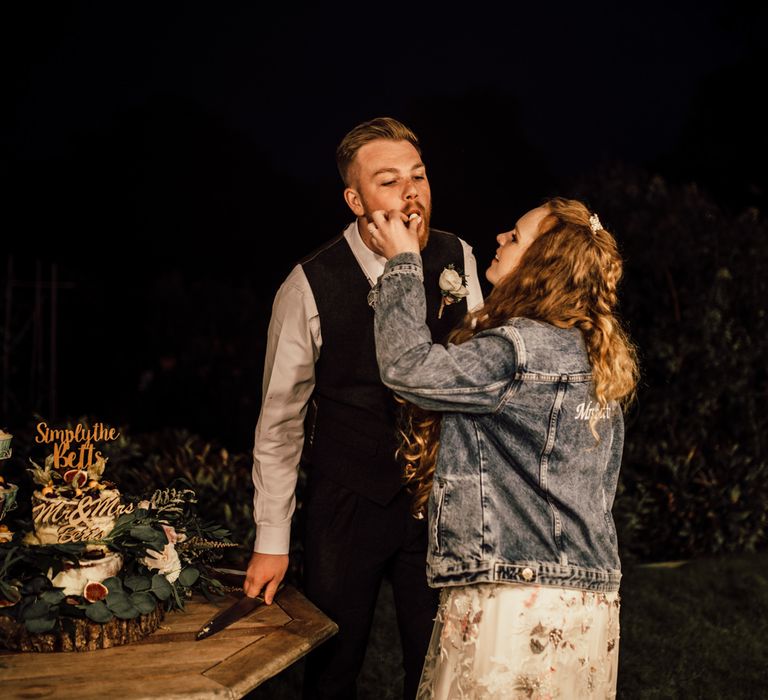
168 163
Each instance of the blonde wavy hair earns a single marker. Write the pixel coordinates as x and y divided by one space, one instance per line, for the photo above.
568 277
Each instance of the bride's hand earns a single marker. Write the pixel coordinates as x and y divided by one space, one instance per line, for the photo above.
393 233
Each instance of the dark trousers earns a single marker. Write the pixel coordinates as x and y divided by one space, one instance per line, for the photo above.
351 544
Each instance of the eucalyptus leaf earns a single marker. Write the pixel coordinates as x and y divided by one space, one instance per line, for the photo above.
38 625
126 612
98 612
38 609
117 599
137 583
188 576
124 520
146 533
54 597
113 584
160 587
144 602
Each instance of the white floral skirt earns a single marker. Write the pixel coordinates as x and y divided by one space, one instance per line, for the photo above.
511 641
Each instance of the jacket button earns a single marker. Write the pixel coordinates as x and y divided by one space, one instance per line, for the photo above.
527 573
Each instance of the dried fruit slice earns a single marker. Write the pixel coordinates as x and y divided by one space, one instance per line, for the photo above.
95 591
76 477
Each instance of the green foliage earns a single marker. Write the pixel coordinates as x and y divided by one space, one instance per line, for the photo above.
188 577
113 584
53 597
166 550
137 583
221 480
98 612
120 605
695 472
160 587
143 602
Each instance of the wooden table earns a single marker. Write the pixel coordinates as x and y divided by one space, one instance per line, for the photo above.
170 663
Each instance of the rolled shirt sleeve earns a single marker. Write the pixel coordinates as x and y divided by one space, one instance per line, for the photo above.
293 347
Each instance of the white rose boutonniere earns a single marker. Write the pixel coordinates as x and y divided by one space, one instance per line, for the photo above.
453 287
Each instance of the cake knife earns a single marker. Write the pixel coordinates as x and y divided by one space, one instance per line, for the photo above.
233 613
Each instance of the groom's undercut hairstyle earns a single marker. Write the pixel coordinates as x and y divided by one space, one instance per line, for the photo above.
379 128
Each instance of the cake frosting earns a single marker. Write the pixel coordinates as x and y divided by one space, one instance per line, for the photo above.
74 506
74 579
88 518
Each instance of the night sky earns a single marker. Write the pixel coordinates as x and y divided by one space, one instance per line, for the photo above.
151 151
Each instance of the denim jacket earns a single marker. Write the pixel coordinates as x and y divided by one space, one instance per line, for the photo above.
523 491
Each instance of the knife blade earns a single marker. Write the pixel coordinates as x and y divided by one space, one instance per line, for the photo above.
233 613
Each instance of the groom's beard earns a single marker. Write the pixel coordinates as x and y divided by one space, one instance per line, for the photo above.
425 215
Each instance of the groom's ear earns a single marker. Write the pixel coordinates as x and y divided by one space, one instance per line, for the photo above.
352 198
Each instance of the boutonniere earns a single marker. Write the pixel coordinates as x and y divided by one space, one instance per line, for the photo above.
453 287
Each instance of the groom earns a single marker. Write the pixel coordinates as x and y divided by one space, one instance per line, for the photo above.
321 355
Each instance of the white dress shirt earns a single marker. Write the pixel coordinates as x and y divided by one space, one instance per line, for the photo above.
293 347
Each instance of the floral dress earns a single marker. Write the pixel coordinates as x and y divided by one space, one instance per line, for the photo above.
514 641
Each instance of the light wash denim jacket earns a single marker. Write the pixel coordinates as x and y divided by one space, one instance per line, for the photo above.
523 491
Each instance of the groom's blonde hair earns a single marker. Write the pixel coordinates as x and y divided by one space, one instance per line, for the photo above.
379 128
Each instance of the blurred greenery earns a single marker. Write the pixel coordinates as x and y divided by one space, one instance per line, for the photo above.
694 477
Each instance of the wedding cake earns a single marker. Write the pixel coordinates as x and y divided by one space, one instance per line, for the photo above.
73 504
95 570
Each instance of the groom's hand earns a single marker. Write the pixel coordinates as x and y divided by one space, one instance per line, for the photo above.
265 571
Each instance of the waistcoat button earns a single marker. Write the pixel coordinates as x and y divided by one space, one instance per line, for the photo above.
527 573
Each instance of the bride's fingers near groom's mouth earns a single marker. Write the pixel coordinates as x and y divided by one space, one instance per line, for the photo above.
379 218
410 220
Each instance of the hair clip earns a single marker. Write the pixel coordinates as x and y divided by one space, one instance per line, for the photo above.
594 223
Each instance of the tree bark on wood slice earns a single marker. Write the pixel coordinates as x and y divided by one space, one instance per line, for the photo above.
79 634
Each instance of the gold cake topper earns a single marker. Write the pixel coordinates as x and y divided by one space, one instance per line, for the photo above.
74 501
84 437
76 521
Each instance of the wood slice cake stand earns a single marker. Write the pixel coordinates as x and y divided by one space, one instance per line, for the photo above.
79 634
